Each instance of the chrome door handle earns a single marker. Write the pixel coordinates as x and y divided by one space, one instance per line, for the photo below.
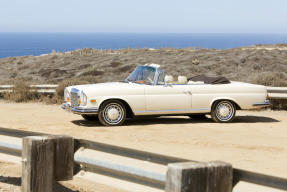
187 92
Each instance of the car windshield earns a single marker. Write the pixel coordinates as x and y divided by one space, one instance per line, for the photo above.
142 75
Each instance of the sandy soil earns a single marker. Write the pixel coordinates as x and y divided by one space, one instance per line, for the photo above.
256 140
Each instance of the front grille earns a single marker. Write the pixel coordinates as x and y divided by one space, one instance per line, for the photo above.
74 98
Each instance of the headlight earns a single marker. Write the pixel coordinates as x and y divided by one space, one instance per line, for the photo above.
83 98
67 96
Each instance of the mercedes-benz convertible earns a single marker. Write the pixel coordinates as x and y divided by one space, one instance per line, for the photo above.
148 91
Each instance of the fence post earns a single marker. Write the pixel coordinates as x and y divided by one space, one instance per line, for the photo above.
37 165
63 158
199 177
46 159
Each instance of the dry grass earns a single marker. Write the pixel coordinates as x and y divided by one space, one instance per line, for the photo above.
21 93
270 79
259 66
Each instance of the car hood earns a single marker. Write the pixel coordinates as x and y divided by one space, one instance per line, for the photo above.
112 88
98 86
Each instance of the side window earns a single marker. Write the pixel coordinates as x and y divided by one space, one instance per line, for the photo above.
161 78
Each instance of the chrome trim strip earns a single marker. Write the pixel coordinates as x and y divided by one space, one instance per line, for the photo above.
174 110
266 103
81 110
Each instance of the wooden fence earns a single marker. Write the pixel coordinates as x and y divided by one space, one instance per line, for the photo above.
49 158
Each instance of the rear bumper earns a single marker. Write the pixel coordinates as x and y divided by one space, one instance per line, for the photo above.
80 110
266 103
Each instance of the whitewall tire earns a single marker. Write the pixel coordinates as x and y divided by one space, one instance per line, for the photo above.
112 113
223 111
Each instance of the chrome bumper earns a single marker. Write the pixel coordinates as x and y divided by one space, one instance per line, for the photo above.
66 106
80 110
266 103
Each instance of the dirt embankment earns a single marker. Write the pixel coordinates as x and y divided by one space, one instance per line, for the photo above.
257 64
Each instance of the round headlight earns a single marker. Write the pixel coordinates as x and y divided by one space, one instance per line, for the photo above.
83 98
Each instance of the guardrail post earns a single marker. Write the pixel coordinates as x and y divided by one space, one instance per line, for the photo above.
46 159
63 158
37 166
199 177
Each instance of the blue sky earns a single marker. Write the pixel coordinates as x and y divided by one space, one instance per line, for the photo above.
181 16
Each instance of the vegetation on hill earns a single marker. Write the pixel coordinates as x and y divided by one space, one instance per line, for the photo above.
261 64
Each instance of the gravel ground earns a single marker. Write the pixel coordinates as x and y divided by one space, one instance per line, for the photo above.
255 141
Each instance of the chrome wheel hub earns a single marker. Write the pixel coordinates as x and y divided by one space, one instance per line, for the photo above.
224 111
113 113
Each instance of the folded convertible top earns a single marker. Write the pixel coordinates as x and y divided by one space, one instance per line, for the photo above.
209 80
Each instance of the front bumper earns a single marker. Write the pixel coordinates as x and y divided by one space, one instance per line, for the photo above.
66 106
266 103
80 110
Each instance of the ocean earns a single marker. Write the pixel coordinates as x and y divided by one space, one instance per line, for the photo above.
21 44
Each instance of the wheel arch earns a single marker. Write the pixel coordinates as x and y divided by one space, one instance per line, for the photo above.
237 106
129 110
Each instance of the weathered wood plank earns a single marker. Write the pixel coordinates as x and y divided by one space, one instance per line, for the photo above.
63 158
37 167
199 177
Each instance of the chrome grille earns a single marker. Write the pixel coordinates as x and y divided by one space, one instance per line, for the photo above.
74 98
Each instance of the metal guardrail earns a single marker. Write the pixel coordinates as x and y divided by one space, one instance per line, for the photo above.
277 92
37 88
156 181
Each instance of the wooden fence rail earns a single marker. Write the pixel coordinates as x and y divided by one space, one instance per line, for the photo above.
182 174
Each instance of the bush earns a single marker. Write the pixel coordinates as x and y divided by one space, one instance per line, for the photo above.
21 93
270 79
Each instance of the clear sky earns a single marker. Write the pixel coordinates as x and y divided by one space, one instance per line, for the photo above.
180 16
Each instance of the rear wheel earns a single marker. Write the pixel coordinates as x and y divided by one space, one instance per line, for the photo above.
90 117
112 113
223 111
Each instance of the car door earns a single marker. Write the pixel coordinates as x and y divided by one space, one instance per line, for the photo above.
167 99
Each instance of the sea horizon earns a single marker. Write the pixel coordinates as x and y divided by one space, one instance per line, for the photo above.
37 43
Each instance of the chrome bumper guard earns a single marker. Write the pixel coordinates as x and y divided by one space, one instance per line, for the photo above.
266 103
66 106
80 110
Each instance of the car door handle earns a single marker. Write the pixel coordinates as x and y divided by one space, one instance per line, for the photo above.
187 92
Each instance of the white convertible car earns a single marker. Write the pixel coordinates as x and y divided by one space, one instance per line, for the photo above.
148 91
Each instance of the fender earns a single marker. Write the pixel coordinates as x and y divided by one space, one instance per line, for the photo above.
223 98
103 99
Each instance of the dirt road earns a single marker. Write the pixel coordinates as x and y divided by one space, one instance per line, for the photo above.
256 140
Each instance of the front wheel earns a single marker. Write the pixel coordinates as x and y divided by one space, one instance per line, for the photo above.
112 113
223 111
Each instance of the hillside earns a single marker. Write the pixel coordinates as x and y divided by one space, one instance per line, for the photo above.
262 64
